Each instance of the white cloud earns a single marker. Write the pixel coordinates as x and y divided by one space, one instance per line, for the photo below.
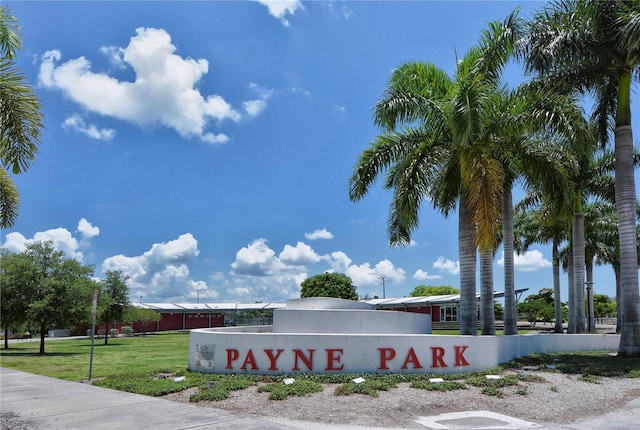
280 8
115 55
300 255
339 11
421 275
164 91
162 271
449 266
76 123
322 233
364 275
530 261
62 239
256 259
87 230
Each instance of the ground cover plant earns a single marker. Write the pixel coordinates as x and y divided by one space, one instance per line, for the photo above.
156 365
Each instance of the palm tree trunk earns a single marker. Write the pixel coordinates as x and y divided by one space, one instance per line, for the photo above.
467 251
578 270
487 309
572 295
510 313
626 205
616 269
557 302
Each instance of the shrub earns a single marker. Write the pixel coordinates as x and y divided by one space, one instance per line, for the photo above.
438 386
127 331
113 332
280 391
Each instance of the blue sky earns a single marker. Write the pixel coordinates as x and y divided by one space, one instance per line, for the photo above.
204 148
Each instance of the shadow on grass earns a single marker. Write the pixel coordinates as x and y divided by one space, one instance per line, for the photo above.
596 363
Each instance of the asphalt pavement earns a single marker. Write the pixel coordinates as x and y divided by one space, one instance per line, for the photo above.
33 402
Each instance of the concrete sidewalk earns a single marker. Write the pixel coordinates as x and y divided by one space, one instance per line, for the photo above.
33 402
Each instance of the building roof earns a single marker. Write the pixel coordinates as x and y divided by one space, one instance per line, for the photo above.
380 303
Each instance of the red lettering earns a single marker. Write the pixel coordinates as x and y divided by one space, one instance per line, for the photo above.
412 358
232 355
386 354
333 358
438 357
250 360
273 359
308 361
460 360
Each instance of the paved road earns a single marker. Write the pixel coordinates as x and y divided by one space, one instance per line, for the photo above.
33 402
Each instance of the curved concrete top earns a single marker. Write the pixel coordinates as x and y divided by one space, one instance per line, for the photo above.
318 303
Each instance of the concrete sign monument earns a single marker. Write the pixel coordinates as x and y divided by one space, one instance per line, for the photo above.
325 335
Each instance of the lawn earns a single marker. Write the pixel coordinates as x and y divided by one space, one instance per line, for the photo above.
69 359
136 364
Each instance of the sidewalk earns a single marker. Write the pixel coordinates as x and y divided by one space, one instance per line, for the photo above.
33 402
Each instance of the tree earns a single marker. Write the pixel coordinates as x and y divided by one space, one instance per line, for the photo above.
57 290
588 46
450 141
336 285
538 307
144 317
20 119
425 291
114 299
13 305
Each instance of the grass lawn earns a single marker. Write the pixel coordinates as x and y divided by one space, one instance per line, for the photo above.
134 364
69 359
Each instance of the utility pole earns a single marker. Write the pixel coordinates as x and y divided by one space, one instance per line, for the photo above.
384 294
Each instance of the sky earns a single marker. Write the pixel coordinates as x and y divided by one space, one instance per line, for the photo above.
204 148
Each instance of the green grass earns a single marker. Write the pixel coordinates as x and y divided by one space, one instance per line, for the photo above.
136 365
69 359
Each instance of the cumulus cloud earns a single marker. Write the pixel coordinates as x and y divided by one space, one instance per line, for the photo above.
530 261
364 274
164 91
449 266
280 8
322 233
300 255
421 275
256 259
78 124
61 238
163 270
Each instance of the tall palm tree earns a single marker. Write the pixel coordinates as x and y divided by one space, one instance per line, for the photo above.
591 46
20 119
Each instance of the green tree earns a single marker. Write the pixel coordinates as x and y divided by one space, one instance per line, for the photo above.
20 118
538 307
144 317
336 285
58 290
113 298
13 305
427 290
590 46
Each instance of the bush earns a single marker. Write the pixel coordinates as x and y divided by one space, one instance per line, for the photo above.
127 331
280 391
113 332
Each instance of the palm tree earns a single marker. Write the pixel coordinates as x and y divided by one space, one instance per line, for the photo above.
542 225
590 46
20 119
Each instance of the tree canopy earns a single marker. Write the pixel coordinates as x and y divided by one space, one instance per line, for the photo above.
336 285
442 290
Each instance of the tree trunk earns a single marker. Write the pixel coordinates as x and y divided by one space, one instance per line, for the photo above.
557 302
467 251
616 269
43 328
510 312
106 332
571 329
626 208
486 294
6 338
578 270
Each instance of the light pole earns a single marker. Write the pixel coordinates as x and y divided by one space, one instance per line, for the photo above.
591 321
384 295
198 296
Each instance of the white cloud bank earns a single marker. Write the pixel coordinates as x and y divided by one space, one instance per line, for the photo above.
322 233
530 261
448 266
164 91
